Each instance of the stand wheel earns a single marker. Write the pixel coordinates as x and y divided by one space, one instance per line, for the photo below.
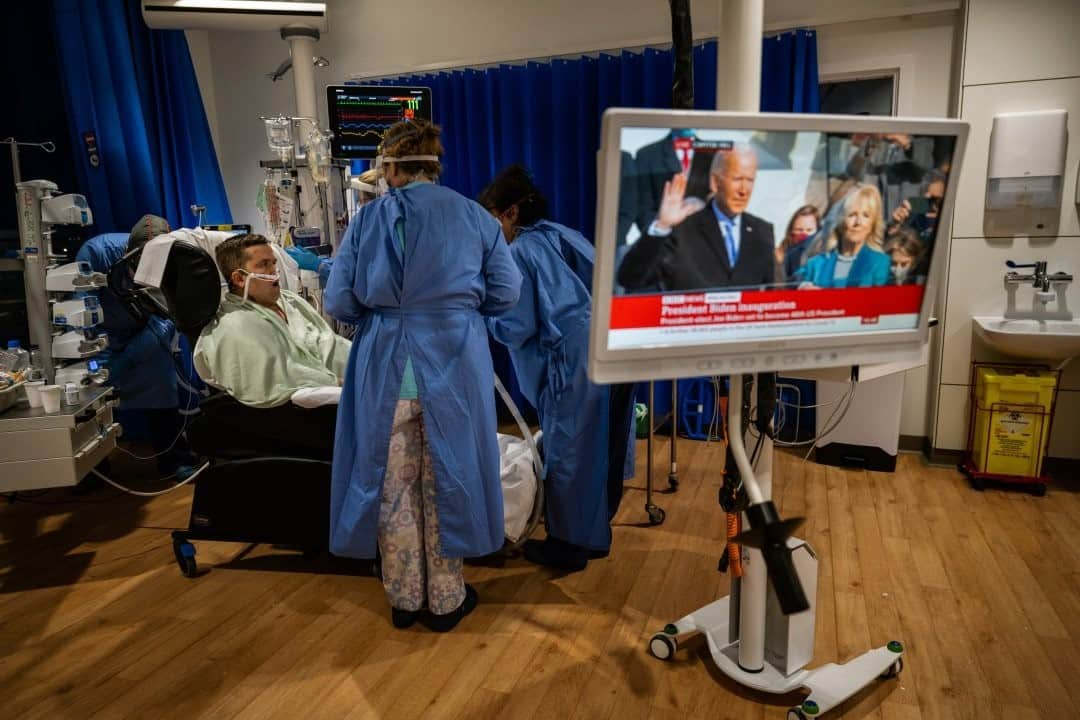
978 483
796 713
895 669
1039 490
656 514
185 558
662 646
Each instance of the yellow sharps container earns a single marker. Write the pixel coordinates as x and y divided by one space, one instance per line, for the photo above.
1012 419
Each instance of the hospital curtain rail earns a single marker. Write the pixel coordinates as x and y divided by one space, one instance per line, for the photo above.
138 124
547 116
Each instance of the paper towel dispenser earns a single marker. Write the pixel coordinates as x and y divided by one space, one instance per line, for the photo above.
1026 168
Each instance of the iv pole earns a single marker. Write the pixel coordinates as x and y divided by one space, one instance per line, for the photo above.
36 248
16 169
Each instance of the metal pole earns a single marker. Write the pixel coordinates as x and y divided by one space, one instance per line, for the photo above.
673 475
738 88
649 448
302 50
35 253
16 170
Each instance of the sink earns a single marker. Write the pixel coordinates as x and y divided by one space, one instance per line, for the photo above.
1031 339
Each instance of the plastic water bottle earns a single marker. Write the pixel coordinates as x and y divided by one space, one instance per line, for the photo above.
37 366
15 348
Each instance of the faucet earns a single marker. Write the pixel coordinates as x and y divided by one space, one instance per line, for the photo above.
1039 279
1047 288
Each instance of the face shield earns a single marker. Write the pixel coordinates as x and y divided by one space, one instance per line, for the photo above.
383 159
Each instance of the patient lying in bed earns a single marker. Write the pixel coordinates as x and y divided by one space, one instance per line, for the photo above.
267 346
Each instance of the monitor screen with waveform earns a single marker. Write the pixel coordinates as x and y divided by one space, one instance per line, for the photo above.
360 114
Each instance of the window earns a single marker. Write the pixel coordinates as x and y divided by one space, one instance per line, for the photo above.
860 95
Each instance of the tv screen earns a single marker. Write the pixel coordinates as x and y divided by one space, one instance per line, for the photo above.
750 229
360 114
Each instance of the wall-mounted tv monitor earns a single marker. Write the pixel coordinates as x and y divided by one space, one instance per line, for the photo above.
360 114
739 243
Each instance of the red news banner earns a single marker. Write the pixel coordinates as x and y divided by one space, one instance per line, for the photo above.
731 308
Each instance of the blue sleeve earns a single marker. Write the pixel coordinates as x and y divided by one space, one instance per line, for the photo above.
338 299
502 280
325 265
520 323
91 255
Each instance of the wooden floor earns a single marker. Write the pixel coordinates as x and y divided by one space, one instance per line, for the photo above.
983 588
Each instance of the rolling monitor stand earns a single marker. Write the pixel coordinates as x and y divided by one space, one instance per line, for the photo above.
712 281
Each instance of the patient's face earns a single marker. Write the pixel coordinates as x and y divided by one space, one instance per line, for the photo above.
260 259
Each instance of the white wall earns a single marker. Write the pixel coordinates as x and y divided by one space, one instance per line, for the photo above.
1017 56
920 47
199 46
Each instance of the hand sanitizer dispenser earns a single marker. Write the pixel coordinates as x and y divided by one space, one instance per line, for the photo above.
1027 160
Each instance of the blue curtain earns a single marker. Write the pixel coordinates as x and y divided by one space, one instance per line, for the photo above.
547 115
142 143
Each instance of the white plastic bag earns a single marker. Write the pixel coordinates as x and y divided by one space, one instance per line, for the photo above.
518 483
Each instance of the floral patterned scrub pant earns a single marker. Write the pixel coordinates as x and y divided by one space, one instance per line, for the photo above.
413 566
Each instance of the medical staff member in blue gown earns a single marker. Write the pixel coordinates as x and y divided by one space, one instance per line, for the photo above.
139 357
585 439
416 456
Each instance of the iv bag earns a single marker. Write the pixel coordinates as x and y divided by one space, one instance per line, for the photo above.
318 153
279 136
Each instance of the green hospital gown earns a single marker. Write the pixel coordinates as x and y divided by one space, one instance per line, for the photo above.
250 353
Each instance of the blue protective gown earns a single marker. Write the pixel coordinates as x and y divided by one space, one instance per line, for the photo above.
548 337
138 357
426 303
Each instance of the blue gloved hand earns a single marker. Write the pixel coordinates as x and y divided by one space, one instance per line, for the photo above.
306 259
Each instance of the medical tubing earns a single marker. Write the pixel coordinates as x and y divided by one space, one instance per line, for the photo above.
129 491
185 413
831 425
538 464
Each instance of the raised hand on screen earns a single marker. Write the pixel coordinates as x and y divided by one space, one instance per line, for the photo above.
902 213
674 207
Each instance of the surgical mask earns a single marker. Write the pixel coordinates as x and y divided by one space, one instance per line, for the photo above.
268 277
900 272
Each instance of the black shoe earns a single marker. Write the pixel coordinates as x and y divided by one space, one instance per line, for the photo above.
403 618
556 554
449 621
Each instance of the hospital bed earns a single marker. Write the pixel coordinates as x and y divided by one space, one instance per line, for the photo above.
264 486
